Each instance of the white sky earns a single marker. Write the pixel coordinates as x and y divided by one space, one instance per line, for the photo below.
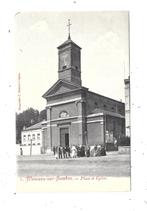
103 37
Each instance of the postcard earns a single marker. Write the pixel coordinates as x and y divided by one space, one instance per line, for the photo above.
73 101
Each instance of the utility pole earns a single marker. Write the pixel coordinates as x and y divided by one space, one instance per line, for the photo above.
31 147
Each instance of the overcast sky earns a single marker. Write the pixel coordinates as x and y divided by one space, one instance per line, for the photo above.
103 37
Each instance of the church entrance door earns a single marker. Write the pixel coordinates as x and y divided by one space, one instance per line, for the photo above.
64 137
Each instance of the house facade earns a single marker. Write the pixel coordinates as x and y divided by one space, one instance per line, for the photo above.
127 105
31 140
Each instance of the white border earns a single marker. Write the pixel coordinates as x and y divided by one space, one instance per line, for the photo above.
136 200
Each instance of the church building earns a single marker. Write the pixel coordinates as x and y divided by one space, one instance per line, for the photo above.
75 115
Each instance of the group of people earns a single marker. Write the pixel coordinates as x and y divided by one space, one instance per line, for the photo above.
78 151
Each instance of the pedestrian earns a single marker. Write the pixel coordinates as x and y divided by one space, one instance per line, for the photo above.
54 150
73 151
103 151
21 151
95 150
78 150
68 151
92 151
82 151
64 152
87 151
98 151
60 152
115 143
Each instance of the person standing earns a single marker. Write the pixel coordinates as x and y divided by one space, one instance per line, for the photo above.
68 151
60 152
21 151
87 151
54 150
64 152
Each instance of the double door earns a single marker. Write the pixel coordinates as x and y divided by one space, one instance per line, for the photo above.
64 137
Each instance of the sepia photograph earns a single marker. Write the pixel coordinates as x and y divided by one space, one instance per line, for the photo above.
73 101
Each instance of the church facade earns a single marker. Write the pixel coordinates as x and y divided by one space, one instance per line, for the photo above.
75 115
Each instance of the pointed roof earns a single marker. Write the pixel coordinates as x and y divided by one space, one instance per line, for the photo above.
67 42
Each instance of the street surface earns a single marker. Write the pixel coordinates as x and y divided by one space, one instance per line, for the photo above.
113 164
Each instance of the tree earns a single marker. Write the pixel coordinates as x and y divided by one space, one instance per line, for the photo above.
19 126
25 119
42 115
30 116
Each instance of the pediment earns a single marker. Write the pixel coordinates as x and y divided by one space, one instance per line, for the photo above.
60 87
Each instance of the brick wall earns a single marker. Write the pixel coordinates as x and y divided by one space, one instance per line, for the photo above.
116 125
103 103
95 129
74 133
70 108
95 133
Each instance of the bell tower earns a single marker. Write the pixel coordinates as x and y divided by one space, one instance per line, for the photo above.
69 60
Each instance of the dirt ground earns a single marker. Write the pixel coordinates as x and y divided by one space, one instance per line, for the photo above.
113 164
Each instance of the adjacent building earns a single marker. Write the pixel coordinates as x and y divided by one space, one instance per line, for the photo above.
127 105
31 140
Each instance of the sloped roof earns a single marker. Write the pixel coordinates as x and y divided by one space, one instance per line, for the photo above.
34 127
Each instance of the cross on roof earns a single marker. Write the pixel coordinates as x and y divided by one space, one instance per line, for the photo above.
68 25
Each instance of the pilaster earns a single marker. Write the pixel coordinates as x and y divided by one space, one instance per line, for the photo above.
49 129
82 121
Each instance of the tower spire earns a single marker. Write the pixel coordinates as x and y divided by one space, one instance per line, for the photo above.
68 25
